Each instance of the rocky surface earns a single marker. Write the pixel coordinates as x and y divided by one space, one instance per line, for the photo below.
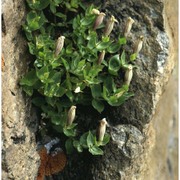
19 157
139 148
155 65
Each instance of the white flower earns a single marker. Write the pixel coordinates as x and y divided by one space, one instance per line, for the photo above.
101 130
95 11
99 20
59 45
128 26
101 57
109 26
77 90
128 75
138 45
71 115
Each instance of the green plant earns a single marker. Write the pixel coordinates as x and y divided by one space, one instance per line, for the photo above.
76 62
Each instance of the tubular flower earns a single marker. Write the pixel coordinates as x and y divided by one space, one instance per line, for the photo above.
99 20
109 26
95 11
101 57
101 130
128 75
59 45
128 26
138 45
71 115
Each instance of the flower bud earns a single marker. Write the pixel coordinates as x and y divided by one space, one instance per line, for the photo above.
95 11
138 45
77 90
101 130
101 57
128 75
99 20
71 115
59 45
128 26
109 26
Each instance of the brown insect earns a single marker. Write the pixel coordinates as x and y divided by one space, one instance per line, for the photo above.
50 163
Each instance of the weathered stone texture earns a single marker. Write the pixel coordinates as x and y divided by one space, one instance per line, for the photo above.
155 64
138 128
19 157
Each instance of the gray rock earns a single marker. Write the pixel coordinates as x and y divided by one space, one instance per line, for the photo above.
19 157
132 133
133 137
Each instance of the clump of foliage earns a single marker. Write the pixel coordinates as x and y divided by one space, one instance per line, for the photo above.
77 74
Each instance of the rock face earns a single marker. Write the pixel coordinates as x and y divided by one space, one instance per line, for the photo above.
19 157
136 141
134 137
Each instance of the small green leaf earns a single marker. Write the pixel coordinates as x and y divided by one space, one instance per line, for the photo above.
78 146
102 45
88 20
110 84
61 15
114 101
66 64
32 48
69 132
60 92
106 139
105 93
56 120
83 140
28 90
92 40
29 79
43 73
35 21
90 139
98 105
122 41
51 89
54 77
72 126
51 101
52 8
96 90
95 150
69 146
133 56
57 2
74 3
114 65
114 48
70 95
59 119
38 4
69 49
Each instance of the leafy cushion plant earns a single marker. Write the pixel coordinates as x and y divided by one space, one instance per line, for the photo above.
74 64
